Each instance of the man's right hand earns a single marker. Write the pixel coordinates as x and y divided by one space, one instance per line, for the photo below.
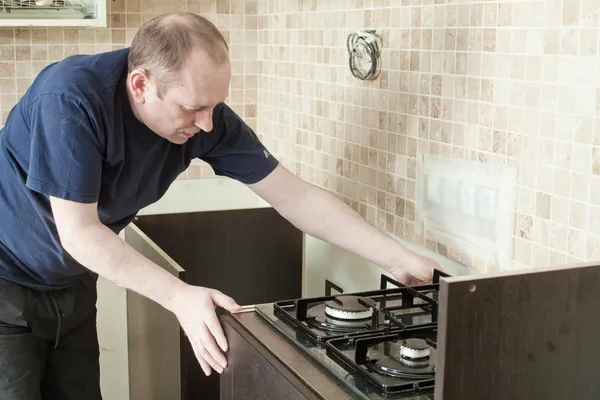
194 307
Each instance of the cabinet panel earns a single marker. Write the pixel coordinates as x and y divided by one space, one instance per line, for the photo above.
252 255
154 336
529 334
254 374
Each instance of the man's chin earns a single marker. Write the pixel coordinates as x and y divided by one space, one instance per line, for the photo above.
180 137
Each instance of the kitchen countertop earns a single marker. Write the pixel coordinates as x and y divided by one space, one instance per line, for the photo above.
295 359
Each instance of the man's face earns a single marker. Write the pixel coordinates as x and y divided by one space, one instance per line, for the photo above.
186 106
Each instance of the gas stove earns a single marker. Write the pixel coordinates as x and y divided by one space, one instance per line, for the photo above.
379 343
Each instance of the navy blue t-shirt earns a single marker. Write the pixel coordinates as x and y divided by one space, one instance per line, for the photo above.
73 135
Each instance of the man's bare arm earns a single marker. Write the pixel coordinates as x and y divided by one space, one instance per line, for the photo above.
99 249
322 215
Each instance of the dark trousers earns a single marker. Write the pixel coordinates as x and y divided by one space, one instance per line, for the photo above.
49 343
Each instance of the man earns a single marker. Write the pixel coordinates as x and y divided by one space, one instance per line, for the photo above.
94 140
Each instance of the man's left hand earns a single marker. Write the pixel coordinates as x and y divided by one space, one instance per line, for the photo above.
416 271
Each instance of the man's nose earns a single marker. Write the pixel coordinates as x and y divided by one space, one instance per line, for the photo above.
204 120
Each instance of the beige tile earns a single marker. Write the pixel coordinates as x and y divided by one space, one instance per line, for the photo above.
558 237
22 36
7 36
489 40
118 6
56 53
116 21
593 247
23 70
133 21
579 216
7 53
552 41
588 42
71 36
118 36
577 243
525 226
23 84
133 6
571 12
39 53
524 252
38 36
70 50
476 15
589 15
594 220
55 36
7 69
569 41
490 14
596 160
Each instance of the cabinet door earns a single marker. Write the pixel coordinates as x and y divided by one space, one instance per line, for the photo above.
154 334
254 373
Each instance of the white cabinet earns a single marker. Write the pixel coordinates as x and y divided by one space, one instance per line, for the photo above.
57 13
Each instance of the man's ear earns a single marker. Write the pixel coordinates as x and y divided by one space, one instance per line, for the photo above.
139 83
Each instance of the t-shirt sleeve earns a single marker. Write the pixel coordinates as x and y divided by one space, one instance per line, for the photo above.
237 153
66 156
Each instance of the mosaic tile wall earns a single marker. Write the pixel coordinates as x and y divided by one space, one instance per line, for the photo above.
509 82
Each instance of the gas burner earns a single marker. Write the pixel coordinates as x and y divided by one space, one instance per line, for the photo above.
351 308
407 358
342 314
414 349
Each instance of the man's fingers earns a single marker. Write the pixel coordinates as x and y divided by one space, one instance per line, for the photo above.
198 351
216 331
211 346
204 357
403 277
224 301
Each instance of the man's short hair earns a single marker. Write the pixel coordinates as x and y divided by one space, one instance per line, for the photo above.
162 45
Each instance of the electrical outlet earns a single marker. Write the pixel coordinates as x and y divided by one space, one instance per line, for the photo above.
467 198
450 192
486 204
434 183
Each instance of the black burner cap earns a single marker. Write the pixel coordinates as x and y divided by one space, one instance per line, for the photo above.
349 303
415 344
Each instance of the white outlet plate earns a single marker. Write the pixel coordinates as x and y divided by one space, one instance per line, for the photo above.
486 201
467 205
466 198
449 193
434 193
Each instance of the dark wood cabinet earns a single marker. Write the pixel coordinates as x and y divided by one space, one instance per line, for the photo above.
253 372
529 334
253 255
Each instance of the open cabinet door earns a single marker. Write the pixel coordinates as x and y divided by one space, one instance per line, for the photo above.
154 334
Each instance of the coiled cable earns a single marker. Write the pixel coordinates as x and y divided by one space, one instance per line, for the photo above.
363 55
